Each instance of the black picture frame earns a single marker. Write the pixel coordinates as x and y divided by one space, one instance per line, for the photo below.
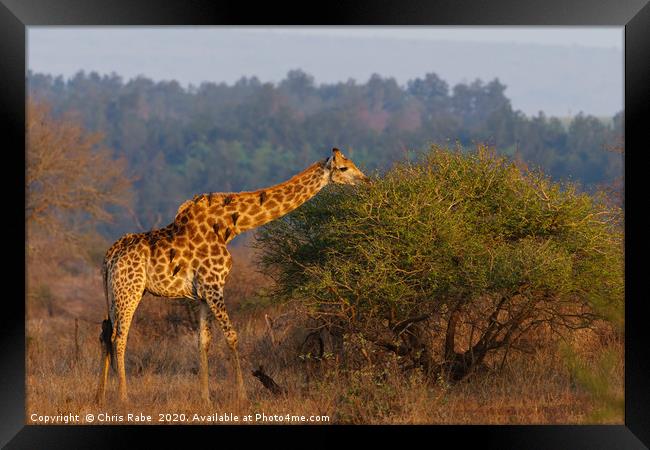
634 15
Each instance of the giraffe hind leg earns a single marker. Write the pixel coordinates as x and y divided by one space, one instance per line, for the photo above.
124 315
127 286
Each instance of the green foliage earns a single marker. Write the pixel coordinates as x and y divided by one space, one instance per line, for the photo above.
448 233
455 226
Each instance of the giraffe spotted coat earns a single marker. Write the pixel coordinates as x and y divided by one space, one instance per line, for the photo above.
189 258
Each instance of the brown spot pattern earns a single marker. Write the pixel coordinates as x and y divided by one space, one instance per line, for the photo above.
137 262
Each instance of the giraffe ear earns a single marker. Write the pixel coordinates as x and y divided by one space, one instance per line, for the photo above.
336 153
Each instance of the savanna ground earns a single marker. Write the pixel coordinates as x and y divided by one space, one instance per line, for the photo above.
65 306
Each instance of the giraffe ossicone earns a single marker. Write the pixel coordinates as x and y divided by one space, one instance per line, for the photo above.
189 258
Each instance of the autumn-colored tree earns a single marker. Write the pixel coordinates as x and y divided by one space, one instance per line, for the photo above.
72 180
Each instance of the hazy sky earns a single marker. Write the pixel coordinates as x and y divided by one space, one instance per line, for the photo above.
559 70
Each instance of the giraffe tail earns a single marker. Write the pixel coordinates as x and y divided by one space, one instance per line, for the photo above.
106 336
106 339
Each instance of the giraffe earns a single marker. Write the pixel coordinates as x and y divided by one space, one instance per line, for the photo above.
189 259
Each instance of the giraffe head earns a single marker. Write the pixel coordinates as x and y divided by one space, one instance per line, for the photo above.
343 170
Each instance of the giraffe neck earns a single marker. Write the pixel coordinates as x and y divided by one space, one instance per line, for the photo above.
265 205
222 216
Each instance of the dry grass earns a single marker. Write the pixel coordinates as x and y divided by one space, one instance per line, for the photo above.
162 366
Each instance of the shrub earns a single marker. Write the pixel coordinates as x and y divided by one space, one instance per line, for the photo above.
459 240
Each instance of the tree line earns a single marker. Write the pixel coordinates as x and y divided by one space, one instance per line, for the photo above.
178 142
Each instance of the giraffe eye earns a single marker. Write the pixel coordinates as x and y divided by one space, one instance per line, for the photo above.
343 169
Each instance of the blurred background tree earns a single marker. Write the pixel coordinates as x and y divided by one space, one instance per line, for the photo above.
72 182
69 172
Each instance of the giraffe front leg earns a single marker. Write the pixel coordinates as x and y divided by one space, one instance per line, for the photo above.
218 307
232 343
205 336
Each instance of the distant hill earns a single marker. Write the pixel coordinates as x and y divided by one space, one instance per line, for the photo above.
219 138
